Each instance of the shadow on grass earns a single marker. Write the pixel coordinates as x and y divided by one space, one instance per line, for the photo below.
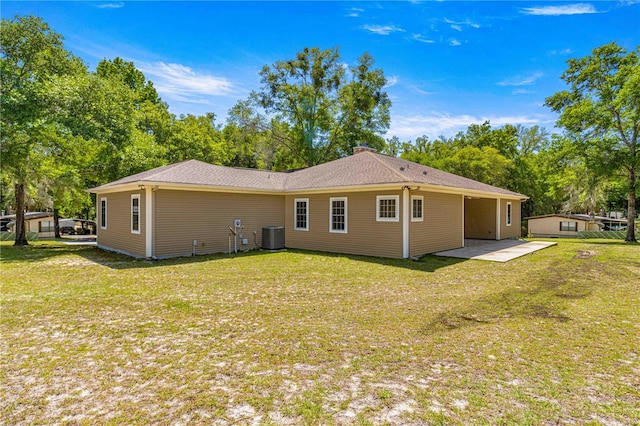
544 298
51 249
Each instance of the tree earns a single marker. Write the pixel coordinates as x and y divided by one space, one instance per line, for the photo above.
326 113
31 55
602 107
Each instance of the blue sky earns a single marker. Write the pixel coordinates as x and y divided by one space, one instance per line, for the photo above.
448 63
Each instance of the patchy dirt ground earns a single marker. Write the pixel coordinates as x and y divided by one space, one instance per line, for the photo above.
304 338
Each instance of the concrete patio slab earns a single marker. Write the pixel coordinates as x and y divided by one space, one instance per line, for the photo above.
495 251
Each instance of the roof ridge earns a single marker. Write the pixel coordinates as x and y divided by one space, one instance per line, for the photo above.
391 169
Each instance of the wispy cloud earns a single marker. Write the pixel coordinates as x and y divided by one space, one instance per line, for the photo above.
455 42
568 9
110 5
182 83
383 29
392 81
561 52
435 124
521 80
522 92
421 38
457 25
354 12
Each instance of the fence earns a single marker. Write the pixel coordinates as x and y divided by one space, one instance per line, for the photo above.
611 235
11 236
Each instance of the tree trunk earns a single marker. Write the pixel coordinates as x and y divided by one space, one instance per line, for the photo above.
21 235
631 209
56 220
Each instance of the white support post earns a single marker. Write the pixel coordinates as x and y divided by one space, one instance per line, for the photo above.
498 219
148 221
406 218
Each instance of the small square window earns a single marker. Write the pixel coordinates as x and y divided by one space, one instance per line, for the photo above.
387 208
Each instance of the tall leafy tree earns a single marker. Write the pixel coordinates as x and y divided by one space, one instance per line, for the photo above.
31 56
602 107
326 110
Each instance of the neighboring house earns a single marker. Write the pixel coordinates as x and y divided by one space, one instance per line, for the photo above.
367 203
36 222
42 224
568 225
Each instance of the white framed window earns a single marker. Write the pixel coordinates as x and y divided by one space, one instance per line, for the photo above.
387 208
338 214
135 213
301 214
417 208
103 213
509 214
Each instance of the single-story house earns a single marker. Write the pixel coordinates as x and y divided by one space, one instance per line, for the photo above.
366 203
568 225
42 224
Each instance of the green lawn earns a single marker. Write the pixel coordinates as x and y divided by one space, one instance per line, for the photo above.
89 337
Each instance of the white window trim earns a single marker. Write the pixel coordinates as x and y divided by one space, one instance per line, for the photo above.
421 218
295 214
105 214
509 213
397 212
136 197
346 215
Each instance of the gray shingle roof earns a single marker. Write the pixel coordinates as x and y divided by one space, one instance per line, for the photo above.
362 169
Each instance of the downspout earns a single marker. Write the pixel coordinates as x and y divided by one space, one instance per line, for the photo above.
406 215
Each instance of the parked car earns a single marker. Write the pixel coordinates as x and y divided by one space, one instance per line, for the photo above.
67 230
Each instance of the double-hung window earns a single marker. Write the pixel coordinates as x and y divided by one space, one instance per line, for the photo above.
509 214
417 208
103 213
387 208
135 213
569 226
338 214
301 214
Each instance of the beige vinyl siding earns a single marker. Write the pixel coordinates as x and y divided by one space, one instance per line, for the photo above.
441 228
183 216
480 218
512 231
550 227
118 234
365 235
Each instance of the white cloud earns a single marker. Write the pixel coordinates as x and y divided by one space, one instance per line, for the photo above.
110 5
521 80
455 42
457 25
568 9
421 38
383 29
392 81
182 83
561 52
435 124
